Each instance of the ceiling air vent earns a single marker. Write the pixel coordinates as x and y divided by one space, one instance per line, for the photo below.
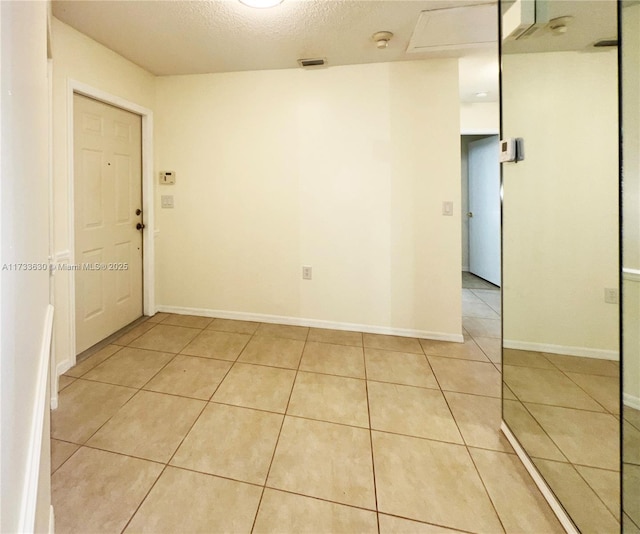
312 63
605 43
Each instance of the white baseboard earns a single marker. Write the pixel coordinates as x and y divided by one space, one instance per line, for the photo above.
316 323
631 275
583 352
631 401
63 367
40 411
549 496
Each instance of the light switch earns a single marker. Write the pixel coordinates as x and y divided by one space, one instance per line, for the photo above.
166 201
447 208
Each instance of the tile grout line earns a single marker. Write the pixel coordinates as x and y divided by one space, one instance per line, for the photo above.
605 412
128 345
629 422
284 416
115 341
452 529
373 461
233 362
142 459
239 481
166 465
111 416
120 347
633 522
596 493
226 374
543 429
158 372
568 408
466 447
566 374
556 367
464 440
275 448
139 389
109 340
164 468
484 485
70 456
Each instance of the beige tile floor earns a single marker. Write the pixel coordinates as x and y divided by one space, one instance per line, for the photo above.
191 424
566 416
631 469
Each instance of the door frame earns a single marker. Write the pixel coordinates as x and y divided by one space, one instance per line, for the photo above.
481 132
498 201
148 233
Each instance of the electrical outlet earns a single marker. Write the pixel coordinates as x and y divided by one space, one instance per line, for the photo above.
306 272
611 295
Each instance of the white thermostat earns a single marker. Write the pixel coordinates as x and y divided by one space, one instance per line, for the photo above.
511 149
168 177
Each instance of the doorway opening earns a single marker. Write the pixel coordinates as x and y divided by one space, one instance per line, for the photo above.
481 276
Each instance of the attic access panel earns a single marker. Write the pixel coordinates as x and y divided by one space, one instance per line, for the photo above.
453 28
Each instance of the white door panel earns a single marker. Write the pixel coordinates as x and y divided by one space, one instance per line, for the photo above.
484 209
107 185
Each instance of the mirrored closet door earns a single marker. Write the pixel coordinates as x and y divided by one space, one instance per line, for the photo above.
561 254
630 122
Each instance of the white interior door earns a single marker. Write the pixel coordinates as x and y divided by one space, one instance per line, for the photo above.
484 209
108 200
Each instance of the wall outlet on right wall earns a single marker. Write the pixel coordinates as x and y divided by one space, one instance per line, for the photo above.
611 295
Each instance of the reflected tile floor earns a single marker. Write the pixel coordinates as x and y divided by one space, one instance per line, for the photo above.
188 424
564 407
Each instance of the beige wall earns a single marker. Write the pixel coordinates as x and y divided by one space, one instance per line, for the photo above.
340 169
561 203
631 138
24 485
631 201
631 337
76 57
344 169
479 118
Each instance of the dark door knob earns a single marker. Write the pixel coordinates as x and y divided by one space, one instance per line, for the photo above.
139 226
138 211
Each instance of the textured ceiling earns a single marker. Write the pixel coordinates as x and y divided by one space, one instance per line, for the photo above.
193 37
592 21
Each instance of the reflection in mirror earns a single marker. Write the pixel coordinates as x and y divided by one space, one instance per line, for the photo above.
630 16
561 255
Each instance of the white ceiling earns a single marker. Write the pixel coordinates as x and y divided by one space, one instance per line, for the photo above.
592 21
206 36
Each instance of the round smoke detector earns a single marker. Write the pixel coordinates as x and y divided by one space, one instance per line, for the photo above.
382 39
560 25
